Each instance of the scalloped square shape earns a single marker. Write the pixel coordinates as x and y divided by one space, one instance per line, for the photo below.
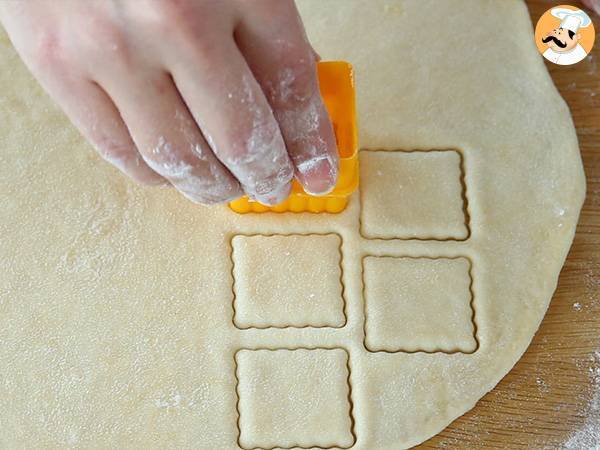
413 195
418 304
294 398
285 281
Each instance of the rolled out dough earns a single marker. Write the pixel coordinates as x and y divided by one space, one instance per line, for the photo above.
117 321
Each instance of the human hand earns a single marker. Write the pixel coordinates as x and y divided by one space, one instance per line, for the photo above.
216 97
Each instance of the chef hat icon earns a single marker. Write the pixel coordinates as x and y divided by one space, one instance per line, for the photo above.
572 20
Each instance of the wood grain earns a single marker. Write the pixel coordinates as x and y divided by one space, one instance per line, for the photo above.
546 397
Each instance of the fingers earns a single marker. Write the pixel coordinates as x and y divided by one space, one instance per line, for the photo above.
97 118
236 119
169 139
284 64
110 136
90 109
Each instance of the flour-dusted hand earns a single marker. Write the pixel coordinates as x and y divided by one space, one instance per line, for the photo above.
216 97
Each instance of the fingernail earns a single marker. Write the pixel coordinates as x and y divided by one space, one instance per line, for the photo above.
318 175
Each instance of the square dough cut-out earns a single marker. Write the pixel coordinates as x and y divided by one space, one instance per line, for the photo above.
288 281
294 398
412 195
418 304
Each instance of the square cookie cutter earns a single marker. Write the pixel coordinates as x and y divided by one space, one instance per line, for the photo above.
336 81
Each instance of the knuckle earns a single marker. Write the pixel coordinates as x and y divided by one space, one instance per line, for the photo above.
257 156
126 159
259 146
269 182
202 181
48 52
115 152
172 10
163 16
102 40
113 148
184 23
101 30
304 125
265 174
166 159
293 84
201 48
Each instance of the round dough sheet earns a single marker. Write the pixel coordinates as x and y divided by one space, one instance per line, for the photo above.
132 318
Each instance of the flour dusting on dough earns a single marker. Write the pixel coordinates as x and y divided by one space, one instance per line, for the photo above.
94 247
170 400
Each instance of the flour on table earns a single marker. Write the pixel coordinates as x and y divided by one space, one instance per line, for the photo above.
131 317
588 437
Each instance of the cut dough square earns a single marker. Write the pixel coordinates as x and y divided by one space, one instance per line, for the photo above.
294 398
288 281
116 317
412 195
418 304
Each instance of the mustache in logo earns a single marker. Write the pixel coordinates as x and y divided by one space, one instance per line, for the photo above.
556 41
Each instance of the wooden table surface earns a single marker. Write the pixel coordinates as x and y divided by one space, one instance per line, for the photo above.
551 399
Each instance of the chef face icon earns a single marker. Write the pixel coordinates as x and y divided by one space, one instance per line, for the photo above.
565 35
561 40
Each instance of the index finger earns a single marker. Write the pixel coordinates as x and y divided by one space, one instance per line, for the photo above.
283 62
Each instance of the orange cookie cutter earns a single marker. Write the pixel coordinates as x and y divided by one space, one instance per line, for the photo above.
336 81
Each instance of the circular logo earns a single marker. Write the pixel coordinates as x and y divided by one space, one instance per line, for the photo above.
565 35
